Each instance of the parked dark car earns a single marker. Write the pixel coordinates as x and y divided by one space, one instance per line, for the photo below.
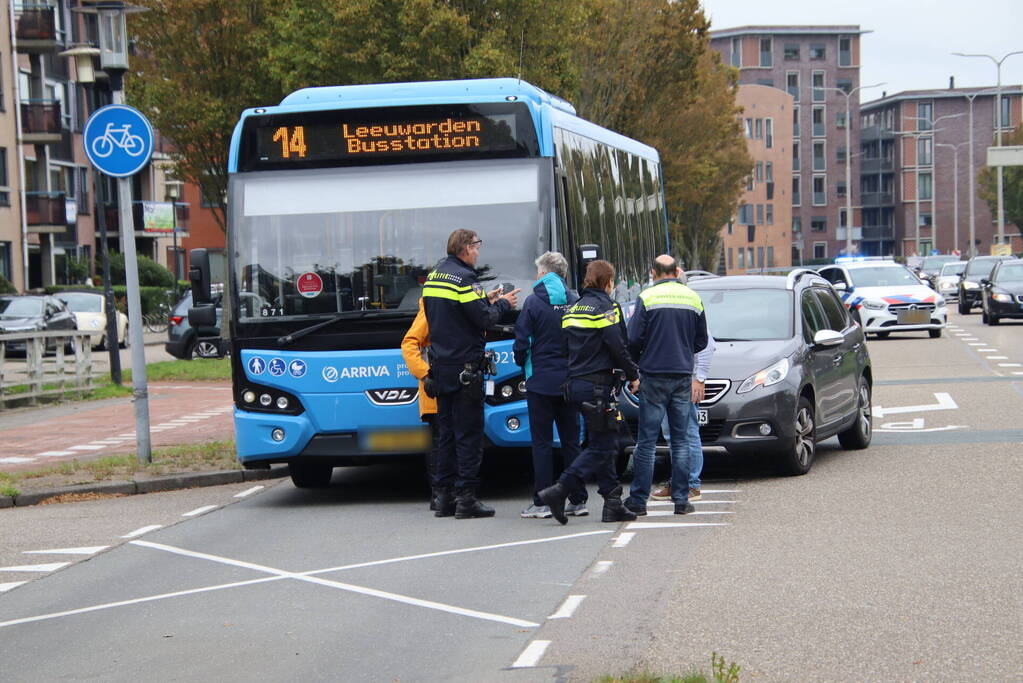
977 269
34 314
791 368
1003 292
931 265
182 340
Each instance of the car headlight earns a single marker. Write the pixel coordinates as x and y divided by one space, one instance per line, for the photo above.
874 305
1004 298
970 284
939 302
766 377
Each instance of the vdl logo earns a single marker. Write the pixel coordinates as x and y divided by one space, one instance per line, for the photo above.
392 397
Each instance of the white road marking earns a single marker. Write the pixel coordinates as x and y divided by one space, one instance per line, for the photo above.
143 530
568 607
669 513
623 539
92 550
395 597
1010 365
890 427
16 461
86 447
1018 373
601 567
693 502
128 435
531 655
249 492
978 344
54 566
53 454
199 511
945 402
4 587
988 350
997 357
673 525
720 490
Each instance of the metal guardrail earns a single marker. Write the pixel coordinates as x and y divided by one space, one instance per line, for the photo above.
36 374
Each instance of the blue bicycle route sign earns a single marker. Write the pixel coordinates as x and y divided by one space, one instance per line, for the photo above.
118 140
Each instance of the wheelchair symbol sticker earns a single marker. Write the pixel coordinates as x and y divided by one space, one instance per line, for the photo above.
276 367
297 368
118 140
256 365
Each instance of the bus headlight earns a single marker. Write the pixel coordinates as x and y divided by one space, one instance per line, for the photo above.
513 424
282 402
277 434
507 391
249 396
265 400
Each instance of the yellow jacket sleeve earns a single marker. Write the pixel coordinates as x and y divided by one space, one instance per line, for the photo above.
416 338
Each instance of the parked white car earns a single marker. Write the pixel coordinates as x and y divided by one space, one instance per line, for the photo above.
89 309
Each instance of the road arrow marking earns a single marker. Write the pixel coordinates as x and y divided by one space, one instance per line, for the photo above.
945 402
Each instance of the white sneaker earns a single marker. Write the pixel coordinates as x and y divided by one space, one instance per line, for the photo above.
576 509
536 512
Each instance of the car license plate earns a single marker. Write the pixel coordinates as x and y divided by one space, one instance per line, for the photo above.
396 441
914 317
701 417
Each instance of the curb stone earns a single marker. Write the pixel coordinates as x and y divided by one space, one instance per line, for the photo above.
167 483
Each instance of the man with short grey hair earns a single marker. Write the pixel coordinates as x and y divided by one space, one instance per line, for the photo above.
539 350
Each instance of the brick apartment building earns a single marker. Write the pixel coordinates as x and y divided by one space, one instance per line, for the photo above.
815 65
51 199
759 236
925 134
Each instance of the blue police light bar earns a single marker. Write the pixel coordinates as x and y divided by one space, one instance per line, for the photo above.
851 259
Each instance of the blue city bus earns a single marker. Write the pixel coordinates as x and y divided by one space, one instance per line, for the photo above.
340 202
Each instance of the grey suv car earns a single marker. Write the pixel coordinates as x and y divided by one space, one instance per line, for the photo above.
182 341
791 368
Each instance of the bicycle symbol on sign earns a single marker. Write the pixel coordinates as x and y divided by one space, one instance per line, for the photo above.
121 137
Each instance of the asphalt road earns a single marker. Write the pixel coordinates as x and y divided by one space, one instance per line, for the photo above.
900 562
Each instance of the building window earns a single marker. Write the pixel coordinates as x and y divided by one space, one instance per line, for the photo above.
817 85
925 115
749 183
818 224
5 193
759 171
797 224
736 52
1005 113
791 52
749 128
730 224
795 122
769 133
840 120
749 256
840 189
769 214
792 84
770 257
759 128
751 236
729 258
819 161
818 53
845 51
926 189
795 191
746 214
765 52
840 155
820 195
926 220
742 257
760 257
5 260
760 214
820 250
769 172
795 155
924 151
844 84
83 191
818 122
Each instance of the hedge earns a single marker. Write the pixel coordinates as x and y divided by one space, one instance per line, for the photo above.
150 297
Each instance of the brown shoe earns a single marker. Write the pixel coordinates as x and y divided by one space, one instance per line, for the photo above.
694 494
662 492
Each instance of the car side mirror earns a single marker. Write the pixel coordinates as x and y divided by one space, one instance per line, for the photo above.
202 316
840 286
828 338
984 282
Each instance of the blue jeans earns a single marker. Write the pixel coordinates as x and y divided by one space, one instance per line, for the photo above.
693 443
660 397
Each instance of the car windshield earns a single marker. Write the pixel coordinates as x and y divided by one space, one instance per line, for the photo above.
934 262
981 267
21 307
82 302
883 276
1012 272
748 314
314 244
953 269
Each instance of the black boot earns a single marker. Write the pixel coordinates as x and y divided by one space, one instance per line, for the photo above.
470 507
434 496
554 497
614 511
445 502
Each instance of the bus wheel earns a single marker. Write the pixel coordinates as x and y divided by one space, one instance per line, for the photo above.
305 475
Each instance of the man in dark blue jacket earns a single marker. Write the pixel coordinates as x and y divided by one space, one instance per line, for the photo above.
539 350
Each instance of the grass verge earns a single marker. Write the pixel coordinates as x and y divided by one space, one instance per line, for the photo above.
198 370
720 672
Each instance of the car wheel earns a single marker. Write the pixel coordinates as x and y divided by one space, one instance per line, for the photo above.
306 475
993 320
934 334
882 335
858 435
797 459
964 307
983 316
203 349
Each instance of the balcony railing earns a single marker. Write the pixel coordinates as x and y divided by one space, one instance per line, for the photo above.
41 117
45 208
876 199
876 165
37 22
878 232
111 212
876 133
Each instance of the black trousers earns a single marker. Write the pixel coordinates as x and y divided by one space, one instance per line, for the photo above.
598 459
544 412
459 434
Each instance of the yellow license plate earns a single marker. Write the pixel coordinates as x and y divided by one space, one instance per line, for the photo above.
397 441
914 317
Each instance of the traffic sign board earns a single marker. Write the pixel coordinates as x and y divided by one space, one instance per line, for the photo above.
118 140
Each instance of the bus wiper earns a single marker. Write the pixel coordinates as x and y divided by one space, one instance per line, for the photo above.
347 315
728 339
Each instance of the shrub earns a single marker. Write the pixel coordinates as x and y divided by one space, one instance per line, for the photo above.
151 273
6 287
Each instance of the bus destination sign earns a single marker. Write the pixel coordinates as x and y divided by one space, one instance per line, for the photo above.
387 135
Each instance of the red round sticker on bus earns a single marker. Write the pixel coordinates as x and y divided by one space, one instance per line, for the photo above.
309 285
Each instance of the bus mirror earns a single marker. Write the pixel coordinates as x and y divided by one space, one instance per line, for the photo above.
199 276
584 254
202 316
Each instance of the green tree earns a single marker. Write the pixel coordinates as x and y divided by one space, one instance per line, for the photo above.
151 273
1012 186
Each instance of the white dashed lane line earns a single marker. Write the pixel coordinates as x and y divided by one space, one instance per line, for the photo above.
568 607
601 568
623 539
198 511
531 656
248 492
142 530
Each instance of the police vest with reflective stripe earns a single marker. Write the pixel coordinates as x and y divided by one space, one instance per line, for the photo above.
586 316
671 295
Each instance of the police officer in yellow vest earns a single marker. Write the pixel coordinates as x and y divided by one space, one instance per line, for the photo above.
667 329
457 314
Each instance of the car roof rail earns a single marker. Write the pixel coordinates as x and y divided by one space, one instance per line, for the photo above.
794 275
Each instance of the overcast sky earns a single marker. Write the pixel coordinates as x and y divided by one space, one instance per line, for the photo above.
911 40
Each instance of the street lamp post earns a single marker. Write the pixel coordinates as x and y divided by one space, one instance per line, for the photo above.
955 188
848 163
998 130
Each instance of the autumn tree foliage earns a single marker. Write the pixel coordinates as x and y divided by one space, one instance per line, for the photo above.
1012 187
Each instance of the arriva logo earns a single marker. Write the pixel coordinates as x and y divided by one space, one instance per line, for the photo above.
365 371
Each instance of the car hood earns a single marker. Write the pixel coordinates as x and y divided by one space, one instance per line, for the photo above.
90 321
737 360
19 323
1010 287
909 294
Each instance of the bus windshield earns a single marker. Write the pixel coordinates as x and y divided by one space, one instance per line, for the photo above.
315 243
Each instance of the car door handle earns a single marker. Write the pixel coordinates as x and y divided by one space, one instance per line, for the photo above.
856 346
837 360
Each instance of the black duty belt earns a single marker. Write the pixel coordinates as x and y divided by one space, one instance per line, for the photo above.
605 378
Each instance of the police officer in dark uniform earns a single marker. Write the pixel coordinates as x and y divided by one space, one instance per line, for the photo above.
595 347
457 313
